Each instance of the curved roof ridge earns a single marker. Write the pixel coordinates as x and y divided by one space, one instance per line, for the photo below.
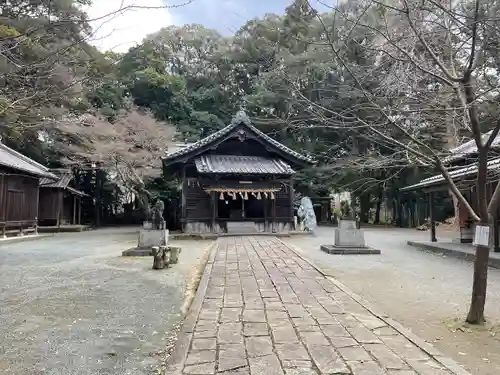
240 118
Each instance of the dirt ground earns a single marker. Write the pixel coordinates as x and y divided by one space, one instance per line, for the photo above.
71 304
425 292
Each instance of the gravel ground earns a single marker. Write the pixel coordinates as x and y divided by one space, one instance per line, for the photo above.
70 304
425 292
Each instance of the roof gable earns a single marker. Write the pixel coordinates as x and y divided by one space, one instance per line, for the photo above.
15 160
470 148
470 170
64 178
239 122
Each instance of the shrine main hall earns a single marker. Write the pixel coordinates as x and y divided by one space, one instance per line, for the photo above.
237 179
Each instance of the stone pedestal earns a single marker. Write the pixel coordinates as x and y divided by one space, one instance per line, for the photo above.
149 237
348 235
348 239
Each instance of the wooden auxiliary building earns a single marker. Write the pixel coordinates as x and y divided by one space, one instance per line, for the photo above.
59 203
462 167
19 191
236 180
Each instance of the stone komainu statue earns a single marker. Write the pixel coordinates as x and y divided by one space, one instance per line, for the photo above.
157 215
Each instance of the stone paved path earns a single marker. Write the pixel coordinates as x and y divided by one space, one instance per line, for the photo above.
266 311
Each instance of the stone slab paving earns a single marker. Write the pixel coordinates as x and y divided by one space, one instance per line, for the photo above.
263 310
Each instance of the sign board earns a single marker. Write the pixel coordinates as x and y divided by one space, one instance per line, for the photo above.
482 236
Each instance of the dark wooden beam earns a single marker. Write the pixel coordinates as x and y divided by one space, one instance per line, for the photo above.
399 213
79 211
273 220
431 214
5 184
496 247
213 197
183 199
37 200
266 208
291 200
59 207
74 209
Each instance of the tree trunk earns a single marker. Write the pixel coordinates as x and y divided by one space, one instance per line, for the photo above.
478 300
456 209
476 311
451 143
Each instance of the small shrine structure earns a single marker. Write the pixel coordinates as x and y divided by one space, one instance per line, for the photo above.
463 167
237 180
59 203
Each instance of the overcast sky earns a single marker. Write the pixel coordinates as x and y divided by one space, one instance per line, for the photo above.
120 31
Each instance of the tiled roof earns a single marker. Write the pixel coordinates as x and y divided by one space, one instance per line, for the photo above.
241 164
64 178
13 159
469 148
240 118
470 170
62 182
76 192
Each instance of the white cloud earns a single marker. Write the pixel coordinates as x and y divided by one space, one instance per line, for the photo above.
122 30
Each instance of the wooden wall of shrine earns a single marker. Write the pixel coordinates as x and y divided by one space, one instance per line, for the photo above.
198 202
199 212
18 202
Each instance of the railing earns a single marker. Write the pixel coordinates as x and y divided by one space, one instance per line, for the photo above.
18 227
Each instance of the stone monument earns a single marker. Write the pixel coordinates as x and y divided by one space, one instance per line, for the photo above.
307 215
348 238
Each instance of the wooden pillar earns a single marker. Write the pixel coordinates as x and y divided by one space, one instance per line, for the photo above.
183 199
431 214
37 206
213 197
266 224
273 217
243 213
291 204
399 219
5 189
74 210
59 208
496 247
79 211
